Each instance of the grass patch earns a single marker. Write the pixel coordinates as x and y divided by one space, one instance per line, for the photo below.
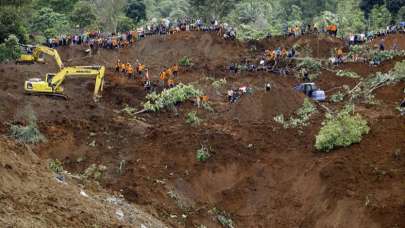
203 154
185 62
193 119
55 166
219 83
347 74
29 134
301 118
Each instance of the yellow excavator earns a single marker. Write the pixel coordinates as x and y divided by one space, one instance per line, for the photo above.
52 85
36 56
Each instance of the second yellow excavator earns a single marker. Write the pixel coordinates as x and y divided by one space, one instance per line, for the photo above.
52 85
36 56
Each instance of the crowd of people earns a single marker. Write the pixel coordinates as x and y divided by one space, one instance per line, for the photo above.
273 60
129 38
168 76
355 39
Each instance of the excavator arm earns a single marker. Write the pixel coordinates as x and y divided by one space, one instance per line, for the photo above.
52 85
36 56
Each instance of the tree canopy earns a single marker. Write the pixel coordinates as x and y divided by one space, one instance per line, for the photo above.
251 18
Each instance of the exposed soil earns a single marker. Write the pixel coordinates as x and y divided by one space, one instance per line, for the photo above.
259 174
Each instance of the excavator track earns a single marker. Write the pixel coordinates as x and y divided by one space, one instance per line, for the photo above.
53 95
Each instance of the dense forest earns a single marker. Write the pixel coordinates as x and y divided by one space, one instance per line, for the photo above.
32 20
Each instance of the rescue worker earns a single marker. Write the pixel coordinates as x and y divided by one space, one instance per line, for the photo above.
382 46
204 98
169 73
162 78
175 69
118 66
140 69
339 55
148 84
171 83
305 75
283 53
230 95
127 67
268 87
123 67
402 107
130 71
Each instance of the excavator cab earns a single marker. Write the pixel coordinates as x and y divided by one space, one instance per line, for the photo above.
37 85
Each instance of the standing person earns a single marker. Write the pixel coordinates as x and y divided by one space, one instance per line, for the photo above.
130 71
382 45
230 95
140 69
175 69
118 65
305 75
395 45
162 78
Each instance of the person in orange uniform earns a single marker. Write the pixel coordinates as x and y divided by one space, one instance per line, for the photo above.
204 98
123 67
175 70
140 69
171 83
163 78
169 73
130 71
118 66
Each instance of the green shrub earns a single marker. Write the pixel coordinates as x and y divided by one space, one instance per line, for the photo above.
203 154
222 217
94 172
170 97
193 119
337 97
385 55
10 50
341 131
185 62
219 84
312 65
347 74
29 134
302 116
364 91
55 166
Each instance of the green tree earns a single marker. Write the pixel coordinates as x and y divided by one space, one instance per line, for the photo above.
251 18
380 17
350 17
83 14
10 49
60 6
394 5
11 23
213 9
136 10
368 5
108 13
125 24
295 17
401 14
50 23
325 18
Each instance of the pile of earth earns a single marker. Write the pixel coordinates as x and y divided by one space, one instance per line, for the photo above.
32 196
